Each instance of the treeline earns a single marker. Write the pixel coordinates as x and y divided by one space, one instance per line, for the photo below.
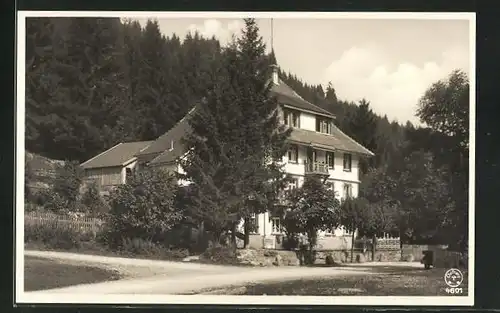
93 82
418 179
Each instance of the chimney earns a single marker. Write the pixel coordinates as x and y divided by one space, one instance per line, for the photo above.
274 73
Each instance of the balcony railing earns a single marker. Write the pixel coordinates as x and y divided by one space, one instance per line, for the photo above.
316 168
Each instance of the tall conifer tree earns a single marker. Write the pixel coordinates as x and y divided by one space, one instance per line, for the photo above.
236 138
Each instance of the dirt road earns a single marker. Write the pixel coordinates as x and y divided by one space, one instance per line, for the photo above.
184 278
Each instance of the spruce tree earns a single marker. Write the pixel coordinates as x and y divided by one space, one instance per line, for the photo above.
236 139
363 127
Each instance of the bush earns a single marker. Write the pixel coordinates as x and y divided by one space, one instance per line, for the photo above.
220 255
143 208
56 236
55 203
329 260
290 242
93 202
147 248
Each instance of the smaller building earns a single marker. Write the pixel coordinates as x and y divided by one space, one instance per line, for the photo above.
112 167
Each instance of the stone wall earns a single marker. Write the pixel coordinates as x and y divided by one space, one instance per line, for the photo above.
256 241
272 257
344 256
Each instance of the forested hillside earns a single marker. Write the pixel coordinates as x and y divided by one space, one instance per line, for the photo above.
94 82
91 83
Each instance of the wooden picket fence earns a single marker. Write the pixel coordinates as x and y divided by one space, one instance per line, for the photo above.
84 224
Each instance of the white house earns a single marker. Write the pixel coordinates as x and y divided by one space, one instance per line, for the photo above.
318 148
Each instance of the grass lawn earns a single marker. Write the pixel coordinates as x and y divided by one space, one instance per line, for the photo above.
41 273
385 282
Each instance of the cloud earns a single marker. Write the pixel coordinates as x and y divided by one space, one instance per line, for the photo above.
366 72
214 27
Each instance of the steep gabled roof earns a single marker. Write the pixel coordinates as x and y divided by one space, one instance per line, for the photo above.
335 141
164 142
161 152
288 96
118 155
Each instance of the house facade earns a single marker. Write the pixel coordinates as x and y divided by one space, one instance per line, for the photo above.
317 147
112 167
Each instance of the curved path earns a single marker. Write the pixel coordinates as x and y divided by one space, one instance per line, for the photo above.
187 278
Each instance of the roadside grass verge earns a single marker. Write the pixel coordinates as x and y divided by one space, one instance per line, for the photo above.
42 274
386 281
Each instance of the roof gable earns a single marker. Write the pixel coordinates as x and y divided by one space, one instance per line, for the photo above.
117 155
164 142
287 96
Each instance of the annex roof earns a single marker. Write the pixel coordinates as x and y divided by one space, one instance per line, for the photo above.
118 155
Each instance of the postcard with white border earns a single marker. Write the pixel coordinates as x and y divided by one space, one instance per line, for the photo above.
245 158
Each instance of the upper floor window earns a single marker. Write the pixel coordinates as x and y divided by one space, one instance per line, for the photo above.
293 154
324 125
330 159
347 162
291 118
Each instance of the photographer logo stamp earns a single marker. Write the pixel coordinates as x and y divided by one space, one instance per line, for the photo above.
453 279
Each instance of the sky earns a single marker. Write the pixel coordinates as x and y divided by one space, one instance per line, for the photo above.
389 62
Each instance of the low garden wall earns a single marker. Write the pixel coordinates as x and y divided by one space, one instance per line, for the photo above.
273 257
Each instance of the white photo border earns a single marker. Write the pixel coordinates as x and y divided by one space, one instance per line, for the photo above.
22 297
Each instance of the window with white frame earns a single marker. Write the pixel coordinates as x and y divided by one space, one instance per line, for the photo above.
330 159
254 224
324 125
276 227
291 118
347 190
293 183
293 154
347 162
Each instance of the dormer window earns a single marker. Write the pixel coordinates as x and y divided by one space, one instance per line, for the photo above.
324 125
291 118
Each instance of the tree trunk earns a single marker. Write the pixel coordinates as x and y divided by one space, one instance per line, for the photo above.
374 246
233 235
247 232
352 244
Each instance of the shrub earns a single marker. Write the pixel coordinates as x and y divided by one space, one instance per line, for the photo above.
93 202
290 242
220 255
329 260
141 247
55 203
68 181
143 208
147 248
56 235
